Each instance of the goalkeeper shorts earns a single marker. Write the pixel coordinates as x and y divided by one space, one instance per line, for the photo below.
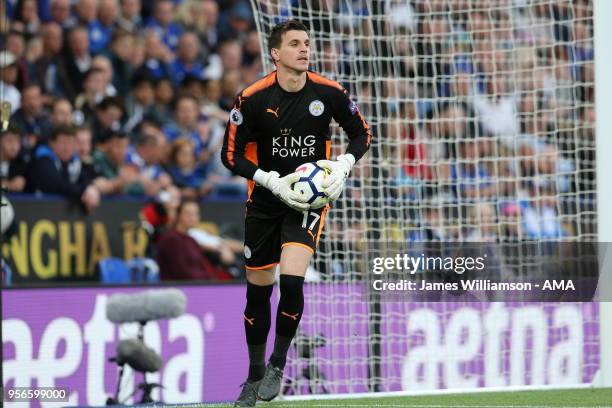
267 231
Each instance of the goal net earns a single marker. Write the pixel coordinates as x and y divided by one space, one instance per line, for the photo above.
483 132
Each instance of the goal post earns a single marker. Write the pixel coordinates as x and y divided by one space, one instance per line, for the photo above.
602 13
483 120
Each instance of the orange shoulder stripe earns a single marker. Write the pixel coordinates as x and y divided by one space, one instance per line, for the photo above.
319 79
263 83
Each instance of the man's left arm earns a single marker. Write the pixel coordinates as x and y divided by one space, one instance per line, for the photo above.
348 116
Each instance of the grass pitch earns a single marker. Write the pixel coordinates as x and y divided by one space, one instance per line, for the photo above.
583 397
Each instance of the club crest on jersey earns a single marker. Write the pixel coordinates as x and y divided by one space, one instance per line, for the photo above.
236 117
316 108
247 252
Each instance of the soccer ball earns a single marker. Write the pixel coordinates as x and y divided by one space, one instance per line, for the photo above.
309 186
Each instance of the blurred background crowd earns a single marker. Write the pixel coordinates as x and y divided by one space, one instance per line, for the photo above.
482 109
484 117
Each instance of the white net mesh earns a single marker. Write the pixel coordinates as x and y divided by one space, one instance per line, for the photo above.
483 121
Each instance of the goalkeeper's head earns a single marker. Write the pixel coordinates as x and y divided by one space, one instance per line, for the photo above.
289 45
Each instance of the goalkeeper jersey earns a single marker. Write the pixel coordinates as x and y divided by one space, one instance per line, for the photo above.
275 130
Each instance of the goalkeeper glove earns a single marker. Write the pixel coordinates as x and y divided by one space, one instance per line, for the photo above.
281 187
339 171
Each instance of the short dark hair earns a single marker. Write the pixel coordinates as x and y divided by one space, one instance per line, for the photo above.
66 130
145 139
108 102
276 35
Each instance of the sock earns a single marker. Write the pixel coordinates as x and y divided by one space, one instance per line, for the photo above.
256 326
289 313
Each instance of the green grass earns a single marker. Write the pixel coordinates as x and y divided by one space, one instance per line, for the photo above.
601 397
583 397
549 398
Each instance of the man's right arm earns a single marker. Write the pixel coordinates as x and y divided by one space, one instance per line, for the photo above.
238 133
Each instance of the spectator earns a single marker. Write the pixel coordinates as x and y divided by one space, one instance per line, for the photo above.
141 102
122 57
130 19
211 12
187 61
77 61
109 159
99 34
8 79
181 257
161 22
187 124
485 228
157 55
49 69
143 166
61 112
93 93
31 118
188 175
540 215
56 169
83 139
27 13
108 115
236 23
60 14
12 163
192 17
102 63
108 13
164 95
497 109
16 45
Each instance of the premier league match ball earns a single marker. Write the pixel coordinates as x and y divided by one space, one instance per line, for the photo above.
310 184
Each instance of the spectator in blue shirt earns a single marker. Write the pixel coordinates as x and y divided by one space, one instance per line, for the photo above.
187 61
99 35
162 22
187 124
187 174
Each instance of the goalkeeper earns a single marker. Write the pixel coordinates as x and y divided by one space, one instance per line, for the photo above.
277 124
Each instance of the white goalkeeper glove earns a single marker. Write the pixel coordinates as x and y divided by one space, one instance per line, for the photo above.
281 188
339 171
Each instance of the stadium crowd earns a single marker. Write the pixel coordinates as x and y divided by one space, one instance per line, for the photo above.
486 117
122 97
486 108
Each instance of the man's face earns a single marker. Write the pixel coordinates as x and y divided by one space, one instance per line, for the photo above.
83 143
109 116
10 144
60 10
9 74
79 42
31 100
188 47
63 146
62 113
52 38
87 10
108 11
163 12
117 149
187 112
130 8
294 51
190 215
